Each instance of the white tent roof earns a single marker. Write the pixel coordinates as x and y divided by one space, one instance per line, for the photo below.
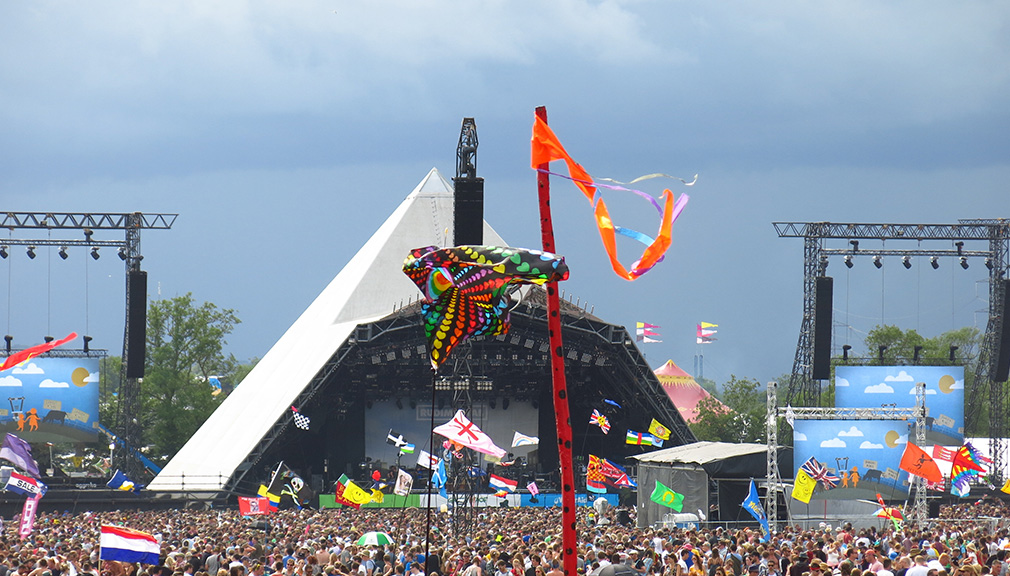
700 453
365 290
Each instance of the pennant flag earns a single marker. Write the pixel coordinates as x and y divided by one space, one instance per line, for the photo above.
534 490
642 439
752 504
126 545
395 438
819 472
503 483
426 460
708 325
119 481
301 420
915 461
658 430
462 431
18 452
803 486
254 506
666 497
600 420
595 480
943 454
524 440
407 449
404 482
24 355
24 485
644 332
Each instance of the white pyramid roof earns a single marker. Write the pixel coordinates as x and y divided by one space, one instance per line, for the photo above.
365 290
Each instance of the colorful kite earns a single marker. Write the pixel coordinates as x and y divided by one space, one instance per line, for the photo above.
644 333
25 355
600 420
965 464
820 473
545 147
462 431
466 289
890 512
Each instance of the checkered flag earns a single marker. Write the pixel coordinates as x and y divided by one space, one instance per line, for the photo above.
301 420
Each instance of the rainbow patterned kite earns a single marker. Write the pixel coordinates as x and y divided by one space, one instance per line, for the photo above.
966 463
25 355
545 147
466 289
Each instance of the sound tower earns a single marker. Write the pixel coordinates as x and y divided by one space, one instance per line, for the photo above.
136 287
1003 354
468 211
822 328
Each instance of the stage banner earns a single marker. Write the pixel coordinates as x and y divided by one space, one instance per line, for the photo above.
51 400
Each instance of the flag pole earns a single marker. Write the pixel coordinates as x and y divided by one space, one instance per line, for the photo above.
431 446
561 410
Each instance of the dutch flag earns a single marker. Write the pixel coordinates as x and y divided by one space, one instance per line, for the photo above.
127 545
503 483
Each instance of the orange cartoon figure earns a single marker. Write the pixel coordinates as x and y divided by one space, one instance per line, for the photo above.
854 476
21 421
845 478
33 420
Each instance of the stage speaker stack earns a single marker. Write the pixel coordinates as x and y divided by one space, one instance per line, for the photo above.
822 327
136 287
468 211
1003 354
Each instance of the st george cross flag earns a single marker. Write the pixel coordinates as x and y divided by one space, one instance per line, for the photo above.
524 440
819 472
600 420
426 460
301 420
126 545
464 432
19 453
254 506
24 485
503 483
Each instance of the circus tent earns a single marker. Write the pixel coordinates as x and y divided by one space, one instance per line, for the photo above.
683 390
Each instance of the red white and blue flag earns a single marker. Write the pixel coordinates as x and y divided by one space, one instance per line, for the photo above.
819 472
600 420
128 545
25 485
503 483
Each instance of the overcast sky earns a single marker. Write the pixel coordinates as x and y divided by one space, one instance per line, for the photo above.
284 133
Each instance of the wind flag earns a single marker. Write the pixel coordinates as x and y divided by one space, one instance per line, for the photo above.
248 506
644 332
943 454
301 420
915 461
642 439
395 438
616 473
666 497
600 420
24 485
126 545
819 472
27 523
426 460
24 355
404 482
705 333
503 483
704 325
273 500
658 430
803 486
119 481
439 478
965 464
350 494
407 449
534 490
524 440
19 453
462 431
752 504
595 480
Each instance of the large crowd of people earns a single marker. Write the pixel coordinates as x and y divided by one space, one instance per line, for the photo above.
502 542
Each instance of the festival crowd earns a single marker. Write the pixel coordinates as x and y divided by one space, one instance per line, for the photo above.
504 542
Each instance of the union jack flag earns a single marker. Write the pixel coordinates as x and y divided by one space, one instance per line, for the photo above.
600 420
819 472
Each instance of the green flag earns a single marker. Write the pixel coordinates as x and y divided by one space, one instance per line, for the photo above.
666 497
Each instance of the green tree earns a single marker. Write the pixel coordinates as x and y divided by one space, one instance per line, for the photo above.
185 345
739 417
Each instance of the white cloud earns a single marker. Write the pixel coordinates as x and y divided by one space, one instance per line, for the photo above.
928 391
840 382
799 437
853 431
901 377
49 383
879 389
903 439
867 445
833 443
92 377
31 368
957 385
10 381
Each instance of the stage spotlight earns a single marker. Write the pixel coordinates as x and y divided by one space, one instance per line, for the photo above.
959 246
848 261
48 339
3 252
492 403
845 352
880 352
87 344
877 262
368 404
953 349
399 404
915 354
31 252
934 262
964 262
855 245
505 404
63 252
988 263
8 339
94 253
906 261
413 404
122 253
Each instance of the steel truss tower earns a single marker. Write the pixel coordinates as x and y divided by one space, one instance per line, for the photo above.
127 426
805 391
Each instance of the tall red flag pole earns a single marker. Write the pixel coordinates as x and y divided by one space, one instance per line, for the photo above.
564 422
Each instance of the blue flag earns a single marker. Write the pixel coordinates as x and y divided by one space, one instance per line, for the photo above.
439 478
119 481
752 504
